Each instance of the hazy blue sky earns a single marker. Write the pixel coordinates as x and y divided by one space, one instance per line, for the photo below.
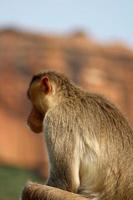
103 19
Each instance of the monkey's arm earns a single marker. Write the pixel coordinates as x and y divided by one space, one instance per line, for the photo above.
62 149
33 191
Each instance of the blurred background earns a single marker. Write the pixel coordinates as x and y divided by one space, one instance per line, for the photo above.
90 41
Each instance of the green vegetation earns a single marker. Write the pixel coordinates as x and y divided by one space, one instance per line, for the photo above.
12 181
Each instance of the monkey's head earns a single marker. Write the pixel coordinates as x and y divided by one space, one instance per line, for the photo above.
43 92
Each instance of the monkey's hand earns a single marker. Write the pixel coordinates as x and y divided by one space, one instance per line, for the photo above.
34 191
30 191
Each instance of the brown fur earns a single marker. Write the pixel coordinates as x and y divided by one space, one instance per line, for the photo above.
35 191
90 143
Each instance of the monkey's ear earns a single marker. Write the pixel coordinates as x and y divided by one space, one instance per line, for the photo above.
46 85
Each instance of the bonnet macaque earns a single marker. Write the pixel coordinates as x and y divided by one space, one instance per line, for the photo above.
89 142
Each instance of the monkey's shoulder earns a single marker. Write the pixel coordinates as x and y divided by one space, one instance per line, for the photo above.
85 102
89 106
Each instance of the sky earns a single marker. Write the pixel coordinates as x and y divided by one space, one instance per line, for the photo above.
104 20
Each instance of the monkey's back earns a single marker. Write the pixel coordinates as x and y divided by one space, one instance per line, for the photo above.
110 140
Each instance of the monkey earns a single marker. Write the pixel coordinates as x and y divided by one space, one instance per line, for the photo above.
89 142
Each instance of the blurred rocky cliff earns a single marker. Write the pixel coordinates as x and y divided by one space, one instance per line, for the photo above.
97 67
